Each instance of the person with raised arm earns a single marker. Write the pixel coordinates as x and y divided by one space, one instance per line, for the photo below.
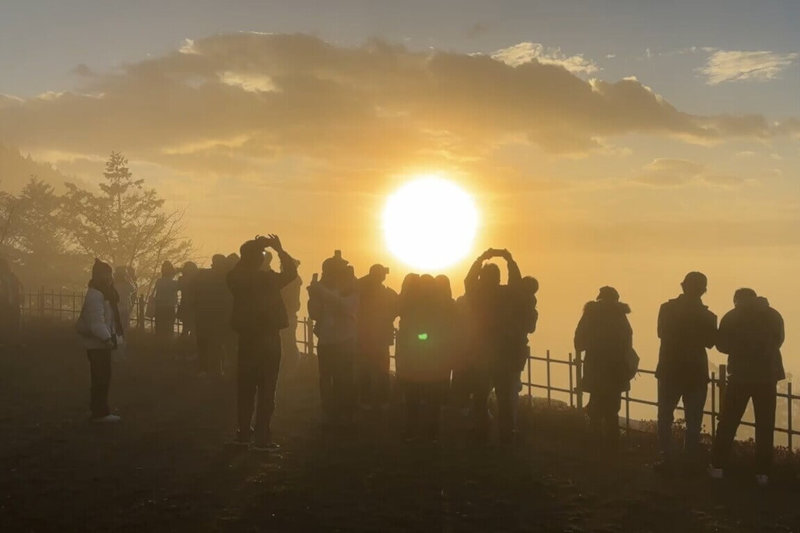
257 317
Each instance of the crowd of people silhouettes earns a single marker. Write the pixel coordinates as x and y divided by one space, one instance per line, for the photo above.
447 351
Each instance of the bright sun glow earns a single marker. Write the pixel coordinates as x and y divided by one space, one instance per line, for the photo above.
430 223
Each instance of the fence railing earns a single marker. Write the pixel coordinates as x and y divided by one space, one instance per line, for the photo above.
66 305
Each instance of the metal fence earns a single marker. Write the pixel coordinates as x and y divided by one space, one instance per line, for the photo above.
66 305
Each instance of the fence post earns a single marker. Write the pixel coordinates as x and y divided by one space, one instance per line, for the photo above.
571 392
713 405
627 413
789 414
579 379
548 378
530 379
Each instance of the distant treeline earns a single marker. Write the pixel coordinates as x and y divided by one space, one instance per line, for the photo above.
50 238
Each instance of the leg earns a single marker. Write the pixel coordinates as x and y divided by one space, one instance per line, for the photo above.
764 400
611 405
325 361
694 402
507 396
736 397
269 366
668 396
413 402
100 368
246 381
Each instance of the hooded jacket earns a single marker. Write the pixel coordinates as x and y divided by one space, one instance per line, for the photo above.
257 304
686 328
752 335
606 335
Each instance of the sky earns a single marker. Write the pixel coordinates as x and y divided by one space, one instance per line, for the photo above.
606 142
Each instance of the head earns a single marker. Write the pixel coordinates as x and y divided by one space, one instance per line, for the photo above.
252 253
218 262
427 286
335 271
530 285
189 268
102 273
694 284
231 261
377 273
410 286
443 289
167 270
608 294
120 273
744 297
490 275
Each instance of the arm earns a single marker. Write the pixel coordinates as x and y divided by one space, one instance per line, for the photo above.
725 334
514 275
288 265
474 271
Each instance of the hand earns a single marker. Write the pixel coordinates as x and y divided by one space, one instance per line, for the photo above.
275 242
505 254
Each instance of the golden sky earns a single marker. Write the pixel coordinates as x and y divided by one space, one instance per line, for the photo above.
587 180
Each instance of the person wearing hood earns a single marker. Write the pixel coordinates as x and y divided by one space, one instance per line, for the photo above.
100 326
686 328
752 334
257 316
333 305
605 334
165 300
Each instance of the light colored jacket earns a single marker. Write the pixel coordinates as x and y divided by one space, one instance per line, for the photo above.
98 319
338 318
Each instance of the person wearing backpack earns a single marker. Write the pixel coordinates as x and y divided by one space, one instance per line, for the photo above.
752 334
101 328
605 334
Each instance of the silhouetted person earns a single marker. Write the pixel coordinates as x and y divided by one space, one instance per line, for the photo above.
10 303
258 315
752 335
165 299
185 311
424 356
686 328
100 325
377 311
211 307
333 304
495 309
126 289
605 334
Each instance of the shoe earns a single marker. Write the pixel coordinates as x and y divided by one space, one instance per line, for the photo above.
108 419
762 480
265 447
241 439
716 473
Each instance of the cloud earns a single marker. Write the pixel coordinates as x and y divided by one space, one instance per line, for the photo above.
664 172
526 52
281 106
739 65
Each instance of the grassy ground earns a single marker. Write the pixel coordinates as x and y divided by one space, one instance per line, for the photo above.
167 467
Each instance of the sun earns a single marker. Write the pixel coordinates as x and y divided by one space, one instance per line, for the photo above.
430 223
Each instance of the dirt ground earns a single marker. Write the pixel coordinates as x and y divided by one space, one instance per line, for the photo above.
167 466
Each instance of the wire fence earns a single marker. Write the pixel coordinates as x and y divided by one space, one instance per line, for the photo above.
556 377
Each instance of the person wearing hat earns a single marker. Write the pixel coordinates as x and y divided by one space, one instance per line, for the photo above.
752 334
686 328
377 310
257 316
605 334
100 325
